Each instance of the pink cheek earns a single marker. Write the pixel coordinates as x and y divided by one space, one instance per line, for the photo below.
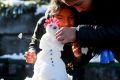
61 24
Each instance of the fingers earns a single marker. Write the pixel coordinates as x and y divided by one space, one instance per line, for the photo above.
59 35
60 38
77 53
66 35
30 60
30 57
30 54
76 50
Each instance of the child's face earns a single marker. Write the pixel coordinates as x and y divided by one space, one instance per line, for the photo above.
66 18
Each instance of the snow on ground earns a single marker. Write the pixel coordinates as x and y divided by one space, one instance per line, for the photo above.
15 56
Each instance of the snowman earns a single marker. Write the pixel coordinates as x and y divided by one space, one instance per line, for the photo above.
49 65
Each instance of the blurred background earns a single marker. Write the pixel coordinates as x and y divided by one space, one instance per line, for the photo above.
20 17
17 16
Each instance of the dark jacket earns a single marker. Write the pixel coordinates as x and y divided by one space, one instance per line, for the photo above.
100 27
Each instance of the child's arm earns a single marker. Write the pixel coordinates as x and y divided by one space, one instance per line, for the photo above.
38 32
30 55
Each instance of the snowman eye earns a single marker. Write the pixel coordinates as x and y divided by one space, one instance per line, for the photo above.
54 27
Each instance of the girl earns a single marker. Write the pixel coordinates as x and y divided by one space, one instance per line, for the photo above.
67 17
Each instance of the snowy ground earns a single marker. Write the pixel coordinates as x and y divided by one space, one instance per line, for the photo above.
20 56
15 56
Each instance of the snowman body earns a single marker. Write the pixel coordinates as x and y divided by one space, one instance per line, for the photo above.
49 65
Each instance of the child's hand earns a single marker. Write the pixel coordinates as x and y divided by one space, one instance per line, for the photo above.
76 50
30 56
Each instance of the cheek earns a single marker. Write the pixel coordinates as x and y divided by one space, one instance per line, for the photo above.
62 23
72 23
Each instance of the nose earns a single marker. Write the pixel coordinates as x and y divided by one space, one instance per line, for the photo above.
66 23
78 8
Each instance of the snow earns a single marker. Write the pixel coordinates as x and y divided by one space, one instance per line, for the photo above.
15 56
41 9
18 2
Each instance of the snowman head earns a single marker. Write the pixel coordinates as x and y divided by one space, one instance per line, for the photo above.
52 28
52 25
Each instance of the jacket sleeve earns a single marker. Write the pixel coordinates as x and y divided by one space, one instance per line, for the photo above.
100 36
106 31
38 32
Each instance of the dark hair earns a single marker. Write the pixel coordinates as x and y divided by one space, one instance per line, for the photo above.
56 5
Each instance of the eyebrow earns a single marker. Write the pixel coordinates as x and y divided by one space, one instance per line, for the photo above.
78 3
